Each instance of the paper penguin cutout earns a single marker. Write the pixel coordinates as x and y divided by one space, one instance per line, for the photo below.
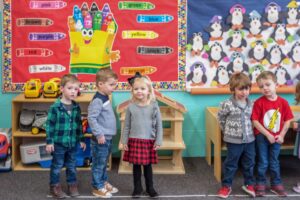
294 54
197 44
275 56
258 51
254 72
216 54
237 17
197 74
280 34
236 40
272 15
283 77
237 64
216 28
292 15
254 25
221 78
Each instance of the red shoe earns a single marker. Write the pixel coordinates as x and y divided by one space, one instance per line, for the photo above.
224 192
260 190
249 189
278 190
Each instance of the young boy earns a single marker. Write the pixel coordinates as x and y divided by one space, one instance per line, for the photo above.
271 118
235 121
102 121
64 132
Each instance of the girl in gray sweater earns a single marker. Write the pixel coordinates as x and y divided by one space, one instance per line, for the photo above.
142 134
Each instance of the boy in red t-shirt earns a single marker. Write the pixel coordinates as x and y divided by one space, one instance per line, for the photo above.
271 118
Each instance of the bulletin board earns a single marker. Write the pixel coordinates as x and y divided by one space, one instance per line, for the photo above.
49 38
225 37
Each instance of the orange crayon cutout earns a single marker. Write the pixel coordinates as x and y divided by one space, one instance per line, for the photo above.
145 70
33 52
71 24
34 22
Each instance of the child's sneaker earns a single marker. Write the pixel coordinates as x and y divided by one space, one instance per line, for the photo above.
297 188
249 189
278 190
260 190
224 192
102 193
110 188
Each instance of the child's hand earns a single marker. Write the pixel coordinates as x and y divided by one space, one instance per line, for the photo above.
125 147
83 146
49 148
279 139
271 138
155 147
101 140
295 126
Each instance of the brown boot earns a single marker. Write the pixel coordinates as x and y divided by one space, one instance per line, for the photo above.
73 190
56 192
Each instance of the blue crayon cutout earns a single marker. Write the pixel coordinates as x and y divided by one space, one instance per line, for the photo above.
154 18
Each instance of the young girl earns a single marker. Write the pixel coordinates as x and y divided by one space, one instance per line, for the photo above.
297 128
142 134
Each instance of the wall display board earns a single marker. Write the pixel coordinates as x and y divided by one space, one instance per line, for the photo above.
231 36
49 38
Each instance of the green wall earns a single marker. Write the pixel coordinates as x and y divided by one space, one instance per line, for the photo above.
194 122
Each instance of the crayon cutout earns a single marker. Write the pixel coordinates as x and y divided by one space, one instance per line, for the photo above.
33 52
145 70
47 68
34 22
55 36
84 9
94 9
47 4
150 50
139 34
154 18
135 5
71 24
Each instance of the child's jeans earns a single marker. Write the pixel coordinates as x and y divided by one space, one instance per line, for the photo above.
267 158
63 156
235 152
100 156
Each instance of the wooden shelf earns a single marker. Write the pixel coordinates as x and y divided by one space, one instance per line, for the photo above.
84 97
36 167
19 133
164 166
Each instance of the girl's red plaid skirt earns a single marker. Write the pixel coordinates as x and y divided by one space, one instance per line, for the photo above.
140 152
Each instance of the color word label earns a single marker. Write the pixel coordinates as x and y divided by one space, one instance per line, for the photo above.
34 22
135 5
136 34
47 4
46 36
33 52
160 50
154 18
46 68
132 70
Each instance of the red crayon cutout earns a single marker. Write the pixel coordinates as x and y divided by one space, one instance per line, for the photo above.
106 21
84 9
33 52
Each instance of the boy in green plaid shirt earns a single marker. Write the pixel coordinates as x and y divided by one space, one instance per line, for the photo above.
64 132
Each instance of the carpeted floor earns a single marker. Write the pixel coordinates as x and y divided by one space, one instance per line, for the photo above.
197 183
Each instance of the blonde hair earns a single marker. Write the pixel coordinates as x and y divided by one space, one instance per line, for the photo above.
297 93
104 74
266 75
239 80
68 78
144 80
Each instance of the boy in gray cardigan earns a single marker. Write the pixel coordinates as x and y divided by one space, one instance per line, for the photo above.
102 120
235 121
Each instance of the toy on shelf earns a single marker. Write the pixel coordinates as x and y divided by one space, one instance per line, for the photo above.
34 152
26 120
39 123
5 149
33 88
52 88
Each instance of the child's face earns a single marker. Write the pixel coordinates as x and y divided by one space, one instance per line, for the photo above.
267 87
70 90
241 93
140 91
107 87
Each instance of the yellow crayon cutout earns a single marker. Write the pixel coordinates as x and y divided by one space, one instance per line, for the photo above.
145 70
139 34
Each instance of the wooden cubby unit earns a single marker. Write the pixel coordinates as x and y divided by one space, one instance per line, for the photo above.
172 114
20 137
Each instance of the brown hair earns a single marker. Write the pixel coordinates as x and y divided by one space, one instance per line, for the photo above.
297 93
238 80
104 74
266 75
68 78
